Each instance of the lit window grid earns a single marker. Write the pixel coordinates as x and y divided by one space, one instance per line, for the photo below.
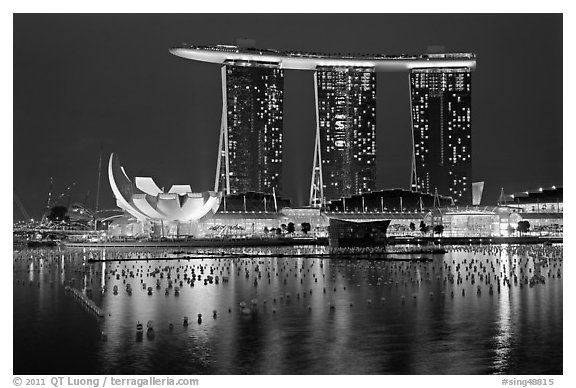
347 120
255 117
453 89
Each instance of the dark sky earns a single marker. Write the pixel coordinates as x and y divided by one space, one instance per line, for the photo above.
82 81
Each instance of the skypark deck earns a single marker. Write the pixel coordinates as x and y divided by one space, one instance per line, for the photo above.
298 60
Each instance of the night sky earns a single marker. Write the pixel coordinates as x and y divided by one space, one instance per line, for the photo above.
82 82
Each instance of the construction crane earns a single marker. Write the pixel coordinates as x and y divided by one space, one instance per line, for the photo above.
64 193
49 200
21 207
85 203
51 203
98 186
98 190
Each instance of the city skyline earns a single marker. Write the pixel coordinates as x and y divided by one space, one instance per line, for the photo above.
199 196
196 117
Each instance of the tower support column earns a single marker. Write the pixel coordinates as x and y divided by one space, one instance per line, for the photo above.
317 184
413 176
223 169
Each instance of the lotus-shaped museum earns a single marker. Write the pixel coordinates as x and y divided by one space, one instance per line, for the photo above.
145 201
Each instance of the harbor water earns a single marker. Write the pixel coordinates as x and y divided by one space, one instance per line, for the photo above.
471 310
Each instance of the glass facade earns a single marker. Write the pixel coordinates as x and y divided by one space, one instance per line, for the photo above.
470 224
347 120
254 93
442 132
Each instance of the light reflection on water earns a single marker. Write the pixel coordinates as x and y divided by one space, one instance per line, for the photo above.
504 334
388 317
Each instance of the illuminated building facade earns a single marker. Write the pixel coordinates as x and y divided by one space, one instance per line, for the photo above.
345 95
251 142
544 200
442 131
346 132
145 201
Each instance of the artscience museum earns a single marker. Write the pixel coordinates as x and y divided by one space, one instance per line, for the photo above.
155 210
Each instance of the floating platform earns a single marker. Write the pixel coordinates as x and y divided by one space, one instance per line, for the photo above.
41 243
362 254
203 242
283 242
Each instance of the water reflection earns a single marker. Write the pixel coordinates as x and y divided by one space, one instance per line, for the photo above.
504 334
454 314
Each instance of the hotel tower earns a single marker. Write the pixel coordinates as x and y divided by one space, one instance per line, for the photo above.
250 152
442 132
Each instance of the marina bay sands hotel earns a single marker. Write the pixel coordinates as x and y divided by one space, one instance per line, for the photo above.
250 145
